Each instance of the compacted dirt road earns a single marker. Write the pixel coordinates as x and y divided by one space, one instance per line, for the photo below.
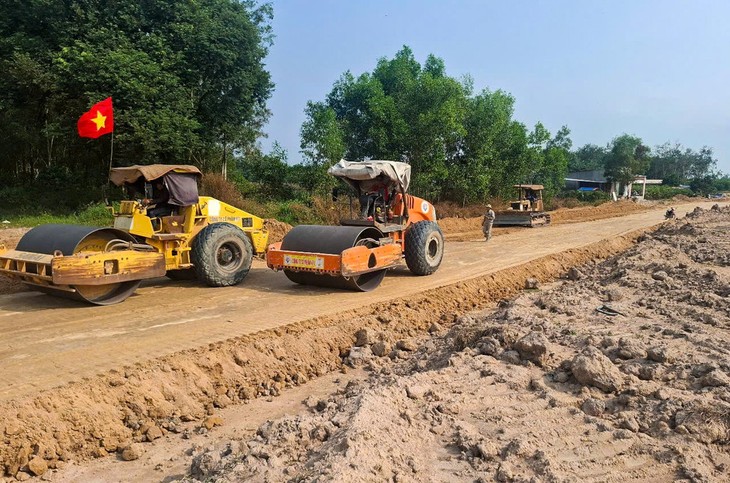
78 382
49 341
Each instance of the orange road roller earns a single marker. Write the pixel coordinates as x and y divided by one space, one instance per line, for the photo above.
391 226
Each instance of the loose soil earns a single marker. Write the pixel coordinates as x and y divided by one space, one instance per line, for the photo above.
108 413
132 405
620 373
9 238
277 229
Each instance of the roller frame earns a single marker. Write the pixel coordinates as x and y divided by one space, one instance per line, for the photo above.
350 263
47 260
332 257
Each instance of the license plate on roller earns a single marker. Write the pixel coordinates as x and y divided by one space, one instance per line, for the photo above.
304 261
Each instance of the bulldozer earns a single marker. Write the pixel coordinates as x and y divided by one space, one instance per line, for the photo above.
178 234
527 210
391 226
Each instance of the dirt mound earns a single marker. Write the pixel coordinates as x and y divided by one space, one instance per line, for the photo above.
618 373
277 229
9 237
605 210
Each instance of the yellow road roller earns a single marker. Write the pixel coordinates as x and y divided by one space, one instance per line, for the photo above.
166 229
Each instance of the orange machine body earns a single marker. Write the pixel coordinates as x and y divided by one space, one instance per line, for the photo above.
360 259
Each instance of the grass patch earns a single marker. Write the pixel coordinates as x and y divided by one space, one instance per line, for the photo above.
96 214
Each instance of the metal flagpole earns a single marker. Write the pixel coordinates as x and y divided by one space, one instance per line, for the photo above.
111 154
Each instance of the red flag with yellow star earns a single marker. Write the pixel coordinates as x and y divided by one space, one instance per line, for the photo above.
99 120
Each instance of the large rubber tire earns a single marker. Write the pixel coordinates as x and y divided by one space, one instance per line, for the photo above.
424 247
72 239
221 255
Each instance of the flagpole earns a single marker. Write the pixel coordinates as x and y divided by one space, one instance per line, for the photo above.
111 154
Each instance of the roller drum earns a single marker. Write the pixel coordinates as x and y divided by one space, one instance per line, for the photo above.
331 240
70 239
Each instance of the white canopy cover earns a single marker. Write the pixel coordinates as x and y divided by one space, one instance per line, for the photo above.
359 173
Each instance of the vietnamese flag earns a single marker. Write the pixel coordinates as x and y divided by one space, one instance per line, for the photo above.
99 120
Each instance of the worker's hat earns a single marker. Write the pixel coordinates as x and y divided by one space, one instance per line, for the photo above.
489 206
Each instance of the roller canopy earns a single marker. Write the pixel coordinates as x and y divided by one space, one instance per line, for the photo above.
180 180
361 175
129 175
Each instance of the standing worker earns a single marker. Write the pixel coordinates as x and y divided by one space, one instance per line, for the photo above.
489 217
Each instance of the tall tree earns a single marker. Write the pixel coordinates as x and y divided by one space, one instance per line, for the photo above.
588 158
187 78
678 164
461 146
627 158
322 137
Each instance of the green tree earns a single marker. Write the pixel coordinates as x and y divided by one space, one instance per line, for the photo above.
492 156
549 158
587 158
461 146
679 164
322 137
187 79
627 157
703 185
269 172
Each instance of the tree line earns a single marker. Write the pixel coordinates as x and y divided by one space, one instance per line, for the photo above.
190 86
462 145
187 81
673 163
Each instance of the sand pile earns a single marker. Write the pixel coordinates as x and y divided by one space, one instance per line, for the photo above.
9 238
620 372
277 229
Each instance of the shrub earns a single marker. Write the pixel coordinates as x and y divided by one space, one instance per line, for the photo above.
96 214
663 192
216 186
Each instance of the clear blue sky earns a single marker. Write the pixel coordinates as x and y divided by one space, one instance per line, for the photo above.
659 69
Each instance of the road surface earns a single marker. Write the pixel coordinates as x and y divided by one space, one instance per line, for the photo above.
48 341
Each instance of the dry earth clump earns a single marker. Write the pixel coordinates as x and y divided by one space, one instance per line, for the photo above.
277 229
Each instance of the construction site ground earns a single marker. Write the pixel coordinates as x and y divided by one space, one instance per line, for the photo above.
173 362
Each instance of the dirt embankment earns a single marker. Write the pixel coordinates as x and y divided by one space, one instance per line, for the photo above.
9 238
277 229
620 373
107 414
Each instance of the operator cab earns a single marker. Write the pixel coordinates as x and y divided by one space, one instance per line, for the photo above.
376 203
379 186
164 193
